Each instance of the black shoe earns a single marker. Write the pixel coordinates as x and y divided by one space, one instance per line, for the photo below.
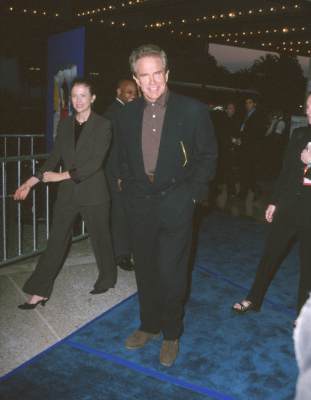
29 306
99 291
126 264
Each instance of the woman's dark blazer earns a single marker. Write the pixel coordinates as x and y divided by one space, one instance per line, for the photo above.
289 188
84 161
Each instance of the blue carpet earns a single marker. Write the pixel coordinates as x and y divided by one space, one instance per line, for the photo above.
223 356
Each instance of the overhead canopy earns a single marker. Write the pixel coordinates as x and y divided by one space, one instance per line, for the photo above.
281 26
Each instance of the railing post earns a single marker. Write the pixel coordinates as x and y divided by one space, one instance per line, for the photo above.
3 168
47 210
21 251
34 219
19 222
5 147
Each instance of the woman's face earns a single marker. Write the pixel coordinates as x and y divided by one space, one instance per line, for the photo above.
81 98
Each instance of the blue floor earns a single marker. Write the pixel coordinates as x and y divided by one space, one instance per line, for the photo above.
223 355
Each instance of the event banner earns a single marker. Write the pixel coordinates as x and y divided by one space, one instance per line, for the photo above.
65 61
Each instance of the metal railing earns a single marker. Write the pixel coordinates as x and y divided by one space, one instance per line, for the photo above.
25 226
19 144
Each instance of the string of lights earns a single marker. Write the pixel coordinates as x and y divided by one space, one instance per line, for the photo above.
109 7
277 10
272 46
258 32
32 12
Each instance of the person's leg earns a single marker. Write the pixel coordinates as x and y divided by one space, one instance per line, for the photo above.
173 264
96 218
42 279
120 232
282 230
143 223
304 287
174 244
245 173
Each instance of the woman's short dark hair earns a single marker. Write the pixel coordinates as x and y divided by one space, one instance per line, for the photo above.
85 82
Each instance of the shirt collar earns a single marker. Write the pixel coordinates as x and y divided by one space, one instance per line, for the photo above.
161 101
120 101
251 111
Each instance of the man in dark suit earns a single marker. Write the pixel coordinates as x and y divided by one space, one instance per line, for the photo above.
290 216
252 133
167 156
126 92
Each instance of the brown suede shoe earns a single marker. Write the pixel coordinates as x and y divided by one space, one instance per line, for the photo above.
139 338
169 352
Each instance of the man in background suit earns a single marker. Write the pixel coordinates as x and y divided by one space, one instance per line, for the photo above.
167 156
252 133
126 92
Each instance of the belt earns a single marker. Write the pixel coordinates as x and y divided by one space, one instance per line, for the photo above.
150 178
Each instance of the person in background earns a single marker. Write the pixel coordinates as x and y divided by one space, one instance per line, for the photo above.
252 132
167 156
275 143
81 145
289 214
126 92
231 142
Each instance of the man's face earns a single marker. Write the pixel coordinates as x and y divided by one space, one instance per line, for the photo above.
127 92
151 77
230 109
249 104
308 109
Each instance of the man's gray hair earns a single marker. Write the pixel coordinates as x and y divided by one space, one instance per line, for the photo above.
147 50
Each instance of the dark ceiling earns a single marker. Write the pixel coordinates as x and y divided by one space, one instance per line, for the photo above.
281 26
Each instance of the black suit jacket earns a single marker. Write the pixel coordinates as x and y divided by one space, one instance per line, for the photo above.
254 131
289 186
112 111
112 163
85 162
187 153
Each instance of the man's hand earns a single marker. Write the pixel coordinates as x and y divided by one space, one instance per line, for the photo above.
270 212
22 192
55 176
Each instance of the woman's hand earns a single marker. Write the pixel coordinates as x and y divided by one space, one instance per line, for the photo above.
306 156
55 176
22 191
270 212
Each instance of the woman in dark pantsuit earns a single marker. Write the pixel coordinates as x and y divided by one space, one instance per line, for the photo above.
81 145
290 216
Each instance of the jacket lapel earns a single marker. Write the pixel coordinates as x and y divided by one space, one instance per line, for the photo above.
136 139
70 141
170 130
85 134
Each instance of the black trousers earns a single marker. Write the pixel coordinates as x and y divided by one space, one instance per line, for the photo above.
51 261
161 229
286 225
249 162
119 226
